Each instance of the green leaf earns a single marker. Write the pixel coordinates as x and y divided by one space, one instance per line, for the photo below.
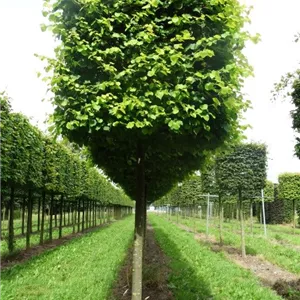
130 125
175 124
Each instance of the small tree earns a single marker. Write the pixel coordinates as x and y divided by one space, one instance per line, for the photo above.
242 172
289 189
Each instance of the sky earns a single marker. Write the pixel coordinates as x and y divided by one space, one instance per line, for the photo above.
277 22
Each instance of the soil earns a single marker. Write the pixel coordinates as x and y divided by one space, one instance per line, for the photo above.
155 273
24 255
286 284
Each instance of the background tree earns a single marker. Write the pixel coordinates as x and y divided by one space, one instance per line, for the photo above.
242 172
289 190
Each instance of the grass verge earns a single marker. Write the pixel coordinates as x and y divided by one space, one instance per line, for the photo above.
280 255
84 268
198 273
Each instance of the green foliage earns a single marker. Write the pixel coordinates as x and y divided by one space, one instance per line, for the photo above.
187 193
31 160
296 112
162 74
289 186
243 168
289 191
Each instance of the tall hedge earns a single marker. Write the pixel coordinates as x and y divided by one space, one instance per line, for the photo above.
289 193
30 160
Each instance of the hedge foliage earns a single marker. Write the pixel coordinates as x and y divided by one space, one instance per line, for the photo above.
243 168
31 160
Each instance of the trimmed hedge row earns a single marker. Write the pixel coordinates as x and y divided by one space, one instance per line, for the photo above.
31 160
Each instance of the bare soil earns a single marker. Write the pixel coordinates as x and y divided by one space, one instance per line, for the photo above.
24 255
155 273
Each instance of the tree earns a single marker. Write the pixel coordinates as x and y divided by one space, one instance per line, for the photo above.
148 86
242 172
289 189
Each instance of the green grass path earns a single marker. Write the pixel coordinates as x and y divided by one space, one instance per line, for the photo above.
282 256
199 273
84 268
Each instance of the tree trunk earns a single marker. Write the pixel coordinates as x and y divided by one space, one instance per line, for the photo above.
82 228
294 216
73 216
1 206
87 214
39 214
11 221
61 216
29 219
55 216
139 230
23 215
51 217
241 211
221 220
70 213
78 216
251 217
64 212
43 218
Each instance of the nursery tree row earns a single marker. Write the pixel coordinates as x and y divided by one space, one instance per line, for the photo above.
37 170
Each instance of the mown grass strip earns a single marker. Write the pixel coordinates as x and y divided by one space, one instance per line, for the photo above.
280 255
84 268
199 273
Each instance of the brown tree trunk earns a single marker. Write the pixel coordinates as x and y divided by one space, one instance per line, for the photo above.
221 220
23 215
51 217
39 214
11 220
241 211
29 219
43 218
1 206
139 232
61 216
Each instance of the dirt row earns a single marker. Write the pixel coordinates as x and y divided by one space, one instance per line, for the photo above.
155 273
269 274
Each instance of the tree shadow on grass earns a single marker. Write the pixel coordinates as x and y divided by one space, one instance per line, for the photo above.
184 282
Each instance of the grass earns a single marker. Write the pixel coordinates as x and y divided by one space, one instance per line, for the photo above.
199 273
20 242
84 268
283 256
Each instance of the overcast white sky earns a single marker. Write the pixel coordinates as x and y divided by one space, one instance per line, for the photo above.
277 21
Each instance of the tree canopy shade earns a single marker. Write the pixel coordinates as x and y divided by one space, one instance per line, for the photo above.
162 74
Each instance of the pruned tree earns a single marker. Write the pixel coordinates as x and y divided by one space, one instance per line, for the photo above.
148 86
289 190
242 172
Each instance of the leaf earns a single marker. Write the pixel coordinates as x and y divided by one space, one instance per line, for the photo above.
43 27
175 124
130 125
